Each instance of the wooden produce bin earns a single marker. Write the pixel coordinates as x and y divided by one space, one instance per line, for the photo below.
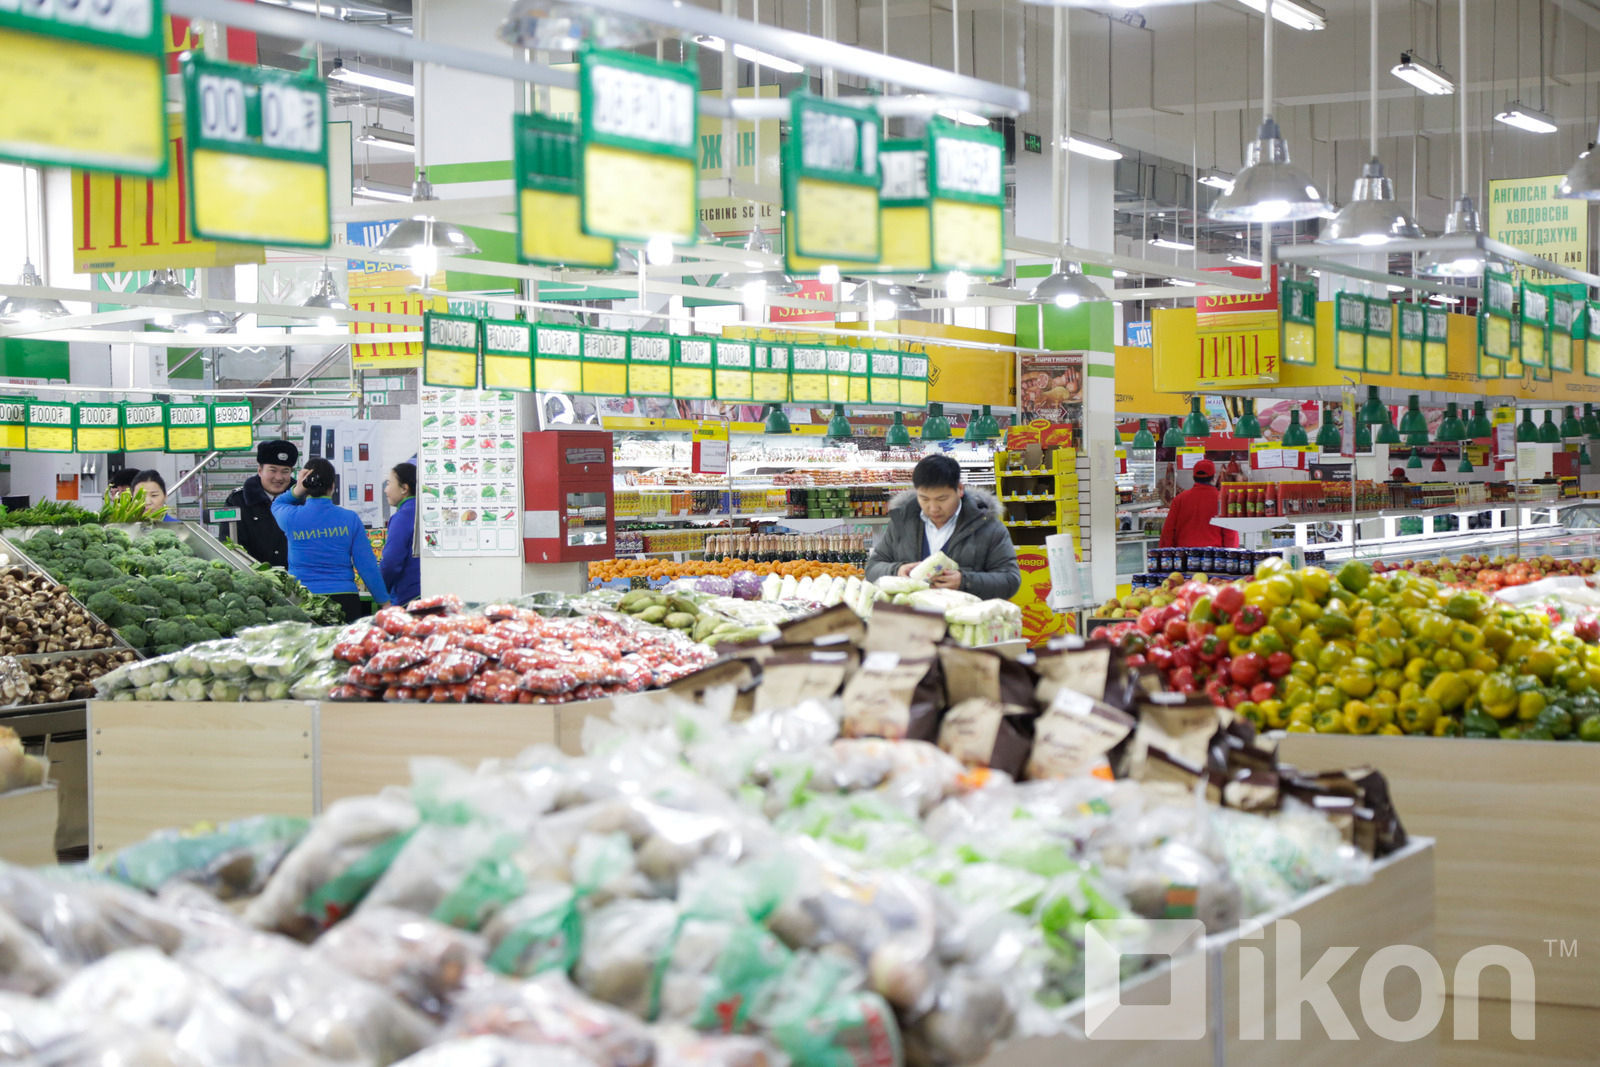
1394 908
1514 822
28 825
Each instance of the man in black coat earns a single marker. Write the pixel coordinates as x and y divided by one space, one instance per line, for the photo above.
257 531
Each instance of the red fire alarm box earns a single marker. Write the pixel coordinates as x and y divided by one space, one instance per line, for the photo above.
567 514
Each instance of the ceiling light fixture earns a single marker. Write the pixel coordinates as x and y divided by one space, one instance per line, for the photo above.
883 300
424 239
1217 179
1422 75
1458 263
1529 119
958 284
760 280
326 297
565 26
1583 180
1067 288
963 117
1093 147
391 139
1295 14
30 308
341 73
375 191
764 59
1243 261
1185 282
1176 244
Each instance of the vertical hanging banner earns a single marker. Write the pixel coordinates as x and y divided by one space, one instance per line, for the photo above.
650 364
1436 343
1350 332
903 208
13 422
49 426
1380 336
257 148
507 355
188 427
1299 304
99 427
232 426
1500 296
83 85
1535 325
549 197
966 186
638 154
1413 338
1567 330
605 363
830 185
450 346
144 427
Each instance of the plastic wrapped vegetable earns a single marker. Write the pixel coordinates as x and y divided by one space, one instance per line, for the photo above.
549 1010
936 564
27 965
898 585
423 962
82 922
747 585
233 860
488 1051
714 585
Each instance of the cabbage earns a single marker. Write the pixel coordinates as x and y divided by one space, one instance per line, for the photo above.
746 585
895 585
714 585
937 563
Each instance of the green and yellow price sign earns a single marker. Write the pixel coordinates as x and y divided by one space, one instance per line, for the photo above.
99 427
903 211
13 422
1413 337
966 184
82 84
605 363
1350 331
1567 328
650 364
830 185
1591 344
1299 302
188 427
50 426
1436 343
549 196
507 355
258 154
638 153
1380 336
557 358
144 427
733 362
769 378
450 348
232 426
692 371
914 378
1535 325
1500 297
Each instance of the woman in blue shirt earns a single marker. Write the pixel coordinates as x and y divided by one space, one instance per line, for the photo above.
402 570
327 543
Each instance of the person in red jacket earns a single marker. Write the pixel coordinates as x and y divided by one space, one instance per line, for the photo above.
1189 518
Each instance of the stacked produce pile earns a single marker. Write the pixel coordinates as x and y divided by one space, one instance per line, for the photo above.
37 615
62 678
1490 574
1391 653
650 569
696 891
157 594
435 651
283 661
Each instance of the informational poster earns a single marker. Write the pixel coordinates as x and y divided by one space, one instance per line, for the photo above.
470 496
1529 214
1051 382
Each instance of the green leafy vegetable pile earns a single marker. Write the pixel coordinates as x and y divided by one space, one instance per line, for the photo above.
154 591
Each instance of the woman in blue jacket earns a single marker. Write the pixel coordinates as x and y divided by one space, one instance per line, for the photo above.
402 570
327 543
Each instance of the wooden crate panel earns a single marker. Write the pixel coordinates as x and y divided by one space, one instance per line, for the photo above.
168 764
1517 845
28 825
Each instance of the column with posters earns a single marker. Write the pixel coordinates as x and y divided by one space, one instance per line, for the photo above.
470 499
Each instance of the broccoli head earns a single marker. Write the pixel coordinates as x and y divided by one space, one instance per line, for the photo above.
168 649
193 594
167 632
196 633
285 613
104 604
135 635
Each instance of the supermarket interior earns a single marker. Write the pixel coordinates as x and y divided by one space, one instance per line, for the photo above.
820 533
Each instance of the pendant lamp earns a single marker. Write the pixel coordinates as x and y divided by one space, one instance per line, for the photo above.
326 298
1374 411
423 239
1527 429
935 427
758 281
1295 435
1328 437
1387 433
1451 428
1479 426
1144 440
1194 423
565 26
1415 462
1067 288
776 422
884 300
1549 432
1591 421
898 436
1247 425
1465 467
1174 437
985 427
1269 188
30 308
1463 221
1571 428
1438 465
1373 216
1413 421
1583 180
838 426
1363 435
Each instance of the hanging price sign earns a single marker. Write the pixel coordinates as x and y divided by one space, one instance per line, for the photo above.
13 422
144 427
903 207
1413 336
1350 331
1436 347
1591 344
232 428
639 133
450 350
188 427
1299 303
557 354
1499 297
49 427
507 355
650 364
258 154
1535 324
605 363
549 198
1567 330
1380 336
82 84
966 180
99 427
830 185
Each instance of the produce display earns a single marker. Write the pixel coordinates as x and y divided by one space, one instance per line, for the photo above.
118 508
283 661
504 654
58 679
18 770
665 570
156 593
1363 652
1490 574
37 615
696 891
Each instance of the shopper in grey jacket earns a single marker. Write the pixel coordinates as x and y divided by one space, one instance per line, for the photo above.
940 514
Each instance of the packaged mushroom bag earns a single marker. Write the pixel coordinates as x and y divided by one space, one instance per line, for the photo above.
989 721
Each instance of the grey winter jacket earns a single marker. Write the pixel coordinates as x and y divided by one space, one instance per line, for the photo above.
980 545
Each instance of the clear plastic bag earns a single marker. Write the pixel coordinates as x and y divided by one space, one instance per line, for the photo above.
16 684
543 929
27 965
109 1044
549 1010
490 1051
423 962
82 922
28 1024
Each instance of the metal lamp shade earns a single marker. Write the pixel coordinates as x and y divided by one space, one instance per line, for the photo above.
1387 434
838 426
1067 288
424 238
1328 438
1451 428
1375 411
1479 425
985 427
1415 462
1174 437
1194 423
1571 428
1144 440
1269 188
561 26
30 308
1549 432
1527 429
1591 421
1372 217
776 422
898 436
1413 421
1295 435
1583 180
1464 263
935 427
1247 425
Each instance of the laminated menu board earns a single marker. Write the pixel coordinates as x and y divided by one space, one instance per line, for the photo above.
469 500
650 364
732 361
769 372
508 355
1350 332
808 374
558 358
692 372
605 363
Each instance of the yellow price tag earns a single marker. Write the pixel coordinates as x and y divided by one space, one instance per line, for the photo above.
551 231
612 202
251 198
972 235
711 431
907 242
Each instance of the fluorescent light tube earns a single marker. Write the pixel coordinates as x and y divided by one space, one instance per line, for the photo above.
1523 117
1167 242
1422 75
373 191
1216 179
1093 147
342 73
1182 281
965 118
391 139
1243 261
751 55
1296 14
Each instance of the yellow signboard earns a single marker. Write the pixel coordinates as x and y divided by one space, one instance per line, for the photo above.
1528 214
1236 349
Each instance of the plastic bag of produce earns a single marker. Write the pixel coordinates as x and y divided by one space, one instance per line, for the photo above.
148 672
82 922
28 1024
232 860
942 600
143 988
16 685
317 682
327 875
934 565
332 1013
27 965
898 585
679 1046
424 963
489 1051
115 681
543 929
548 1010
96 1042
